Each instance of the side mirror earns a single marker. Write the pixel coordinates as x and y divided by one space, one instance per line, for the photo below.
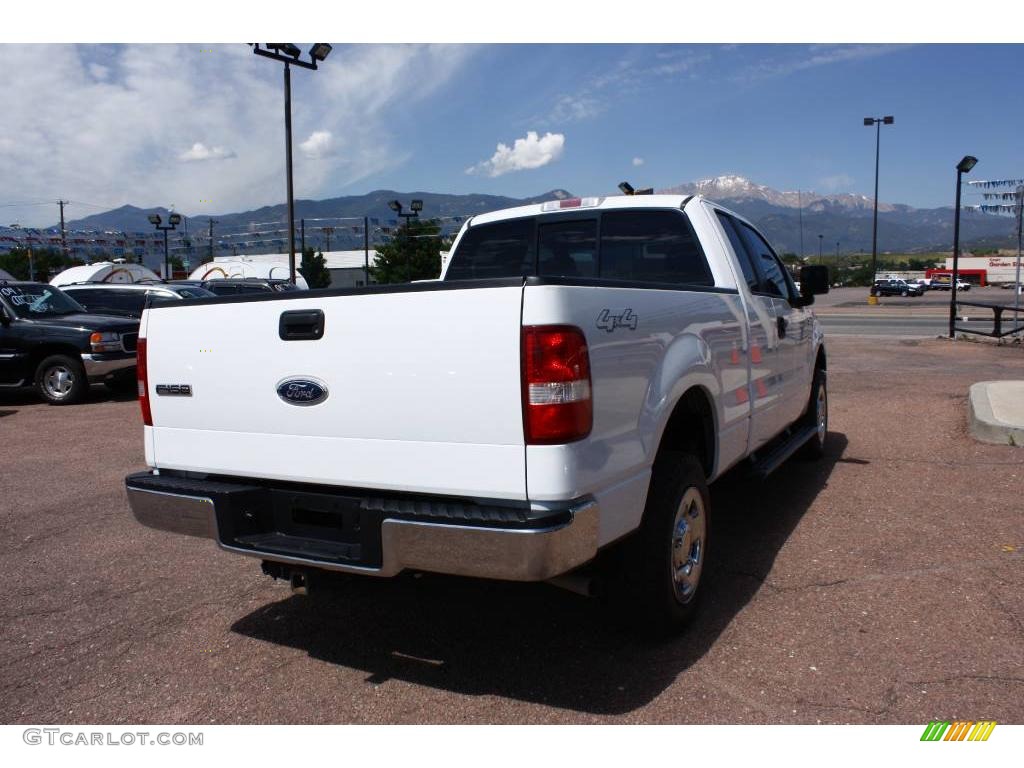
813 282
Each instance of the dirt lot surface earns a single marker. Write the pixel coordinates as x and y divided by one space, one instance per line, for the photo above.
880 585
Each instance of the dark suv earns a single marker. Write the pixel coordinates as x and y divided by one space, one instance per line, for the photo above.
129 299
48 340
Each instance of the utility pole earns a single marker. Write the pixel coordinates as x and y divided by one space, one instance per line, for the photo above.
366 250
63 233
212 222
303 236
800 207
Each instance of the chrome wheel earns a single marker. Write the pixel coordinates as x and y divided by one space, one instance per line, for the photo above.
821 412
58 381
689 534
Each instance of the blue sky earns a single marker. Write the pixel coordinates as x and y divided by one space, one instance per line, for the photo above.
200 127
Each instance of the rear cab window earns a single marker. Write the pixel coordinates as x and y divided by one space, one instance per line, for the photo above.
651 247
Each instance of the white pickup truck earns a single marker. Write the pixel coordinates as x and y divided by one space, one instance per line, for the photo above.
555 404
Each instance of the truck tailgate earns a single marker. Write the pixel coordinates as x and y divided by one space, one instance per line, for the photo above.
423 390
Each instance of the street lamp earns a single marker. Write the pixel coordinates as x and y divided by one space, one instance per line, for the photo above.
964 166
289 54
414 213
173 220
821 239
878 122
837 251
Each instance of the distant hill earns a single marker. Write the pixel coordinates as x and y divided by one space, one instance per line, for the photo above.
842 218
373 204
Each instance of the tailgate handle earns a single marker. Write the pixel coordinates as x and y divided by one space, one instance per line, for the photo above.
301 325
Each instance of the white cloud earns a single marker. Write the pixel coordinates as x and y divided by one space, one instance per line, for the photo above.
819 55
570 109
317 145
199 152
637 161
143 109
530 152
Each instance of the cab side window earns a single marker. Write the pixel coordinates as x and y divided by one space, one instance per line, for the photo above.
739 247
652 246
768 263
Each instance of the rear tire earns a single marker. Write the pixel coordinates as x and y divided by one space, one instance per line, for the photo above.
61 380
817 414
656 586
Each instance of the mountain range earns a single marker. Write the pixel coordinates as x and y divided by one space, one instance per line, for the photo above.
845 219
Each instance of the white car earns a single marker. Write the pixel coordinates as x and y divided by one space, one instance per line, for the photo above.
556 405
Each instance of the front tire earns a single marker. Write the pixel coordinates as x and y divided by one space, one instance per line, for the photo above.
61 380
658 586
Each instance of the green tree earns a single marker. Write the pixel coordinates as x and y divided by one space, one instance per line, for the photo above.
414 253
314 269
46 263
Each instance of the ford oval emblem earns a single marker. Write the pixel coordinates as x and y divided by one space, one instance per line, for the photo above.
302 391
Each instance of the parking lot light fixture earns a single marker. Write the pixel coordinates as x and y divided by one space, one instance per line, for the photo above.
414 213
878 122
290 54
320 51
964 166
626 188
173 220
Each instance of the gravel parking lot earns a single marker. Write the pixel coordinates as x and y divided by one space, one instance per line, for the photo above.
881 585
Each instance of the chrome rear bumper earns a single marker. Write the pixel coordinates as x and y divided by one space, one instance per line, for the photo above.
514 554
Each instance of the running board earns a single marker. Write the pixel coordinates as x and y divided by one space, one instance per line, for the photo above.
765 465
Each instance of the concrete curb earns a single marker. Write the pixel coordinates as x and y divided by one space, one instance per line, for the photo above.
996 412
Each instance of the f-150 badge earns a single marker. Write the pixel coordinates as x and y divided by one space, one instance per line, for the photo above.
609 320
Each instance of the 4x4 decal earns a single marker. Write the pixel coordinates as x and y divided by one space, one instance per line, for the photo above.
609 320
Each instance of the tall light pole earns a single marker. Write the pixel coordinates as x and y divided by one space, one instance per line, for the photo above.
414 213
821 239
964 166
878 122
800 208
289 54
837 251
173 220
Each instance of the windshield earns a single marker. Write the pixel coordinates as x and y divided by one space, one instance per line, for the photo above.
33 300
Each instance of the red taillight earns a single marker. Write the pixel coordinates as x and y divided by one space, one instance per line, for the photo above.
557 406
143 377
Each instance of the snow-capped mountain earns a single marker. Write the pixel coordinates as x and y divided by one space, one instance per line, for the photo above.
731 187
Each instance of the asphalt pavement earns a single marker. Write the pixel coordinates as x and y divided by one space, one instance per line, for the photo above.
879 585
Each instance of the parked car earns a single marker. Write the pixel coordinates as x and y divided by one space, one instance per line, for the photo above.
129 299
940 284
923 285
559 400
896 287
49 341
